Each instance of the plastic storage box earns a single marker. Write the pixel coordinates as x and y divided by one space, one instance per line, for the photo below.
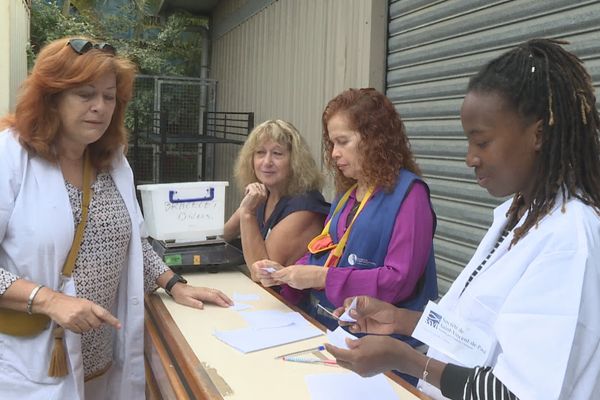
184 212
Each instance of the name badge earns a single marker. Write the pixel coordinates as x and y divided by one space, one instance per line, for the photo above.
448 333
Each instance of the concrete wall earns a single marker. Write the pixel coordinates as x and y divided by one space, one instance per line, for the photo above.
14 36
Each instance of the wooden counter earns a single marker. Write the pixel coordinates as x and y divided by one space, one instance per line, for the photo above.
184 360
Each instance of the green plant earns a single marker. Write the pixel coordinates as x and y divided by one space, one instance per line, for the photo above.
158 45
48 24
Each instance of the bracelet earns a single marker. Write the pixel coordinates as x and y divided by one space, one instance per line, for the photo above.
32 295
425 373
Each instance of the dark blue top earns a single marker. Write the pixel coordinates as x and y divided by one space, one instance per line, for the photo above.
308 201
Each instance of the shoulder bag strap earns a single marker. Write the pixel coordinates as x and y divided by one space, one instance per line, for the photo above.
85 204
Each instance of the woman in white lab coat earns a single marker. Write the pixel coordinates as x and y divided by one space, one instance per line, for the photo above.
532 289
70 114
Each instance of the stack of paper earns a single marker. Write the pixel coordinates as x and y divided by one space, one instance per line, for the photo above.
240 298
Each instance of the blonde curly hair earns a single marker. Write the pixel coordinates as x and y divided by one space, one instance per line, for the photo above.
304 174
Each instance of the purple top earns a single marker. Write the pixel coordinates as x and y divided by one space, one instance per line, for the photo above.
407 255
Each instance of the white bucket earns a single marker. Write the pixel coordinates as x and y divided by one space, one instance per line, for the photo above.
184 212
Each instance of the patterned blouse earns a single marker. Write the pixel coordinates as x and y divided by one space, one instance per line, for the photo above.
100 264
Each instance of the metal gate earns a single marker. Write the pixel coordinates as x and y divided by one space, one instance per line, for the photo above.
178 107
433 47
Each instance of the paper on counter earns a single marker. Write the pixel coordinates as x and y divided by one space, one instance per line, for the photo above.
250 339
338 337
349 386
264 319
268 328
240 306
244 297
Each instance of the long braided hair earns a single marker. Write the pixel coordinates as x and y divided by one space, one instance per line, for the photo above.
541 80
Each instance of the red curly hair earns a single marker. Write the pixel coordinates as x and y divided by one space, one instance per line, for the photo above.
384 144
58 68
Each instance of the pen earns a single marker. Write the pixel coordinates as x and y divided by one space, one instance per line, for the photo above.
309 360
295 353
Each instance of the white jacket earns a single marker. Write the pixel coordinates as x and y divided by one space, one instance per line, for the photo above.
539 301
36 233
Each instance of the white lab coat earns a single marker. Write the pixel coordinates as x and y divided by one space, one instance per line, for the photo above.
36 232
539 301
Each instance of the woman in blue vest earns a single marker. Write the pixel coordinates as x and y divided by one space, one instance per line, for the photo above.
378 239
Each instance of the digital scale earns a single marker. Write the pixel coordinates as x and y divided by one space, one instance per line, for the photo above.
209 255
184 222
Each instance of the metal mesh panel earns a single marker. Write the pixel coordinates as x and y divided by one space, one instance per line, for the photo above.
175 130
175 107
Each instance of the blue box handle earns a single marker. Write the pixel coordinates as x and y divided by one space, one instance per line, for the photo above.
172 199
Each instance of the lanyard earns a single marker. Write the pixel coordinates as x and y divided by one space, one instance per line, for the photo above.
337 251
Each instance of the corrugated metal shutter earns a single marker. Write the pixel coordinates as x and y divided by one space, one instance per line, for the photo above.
433 47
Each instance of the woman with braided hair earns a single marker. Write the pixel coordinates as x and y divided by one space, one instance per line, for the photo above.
532 288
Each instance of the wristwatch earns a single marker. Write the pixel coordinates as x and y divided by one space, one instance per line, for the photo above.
176 278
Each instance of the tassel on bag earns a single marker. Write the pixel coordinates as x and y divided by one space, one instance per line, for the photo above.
58 360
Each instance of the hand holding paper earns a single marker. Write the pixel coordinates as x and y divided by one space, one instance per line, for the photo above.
375 316
262 270
345 317
371 354
338 337
302 276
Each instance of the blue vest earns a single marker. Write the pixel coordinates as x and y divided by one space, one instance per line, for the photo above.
368 243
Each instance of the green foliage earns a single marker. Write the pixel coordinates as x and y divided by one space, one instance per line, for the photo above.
48 24
159 46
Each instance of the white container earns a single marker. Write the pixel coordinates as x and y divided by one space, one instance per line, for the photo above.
184 212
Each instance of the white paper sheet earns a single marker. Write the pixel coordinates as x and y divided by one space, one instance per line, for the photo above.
346 315
240 306
338 337
349 386
272 319
250 339
268 328
244 297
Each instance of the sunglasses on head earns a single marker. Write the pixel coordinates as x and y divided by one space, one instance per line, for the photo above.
81 46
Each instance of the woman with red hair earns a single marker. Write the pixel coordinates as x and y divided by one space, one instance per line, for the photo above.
74 261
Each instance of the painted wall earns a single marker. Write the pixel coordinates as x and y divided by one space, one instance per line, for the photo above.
14 36
286 59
